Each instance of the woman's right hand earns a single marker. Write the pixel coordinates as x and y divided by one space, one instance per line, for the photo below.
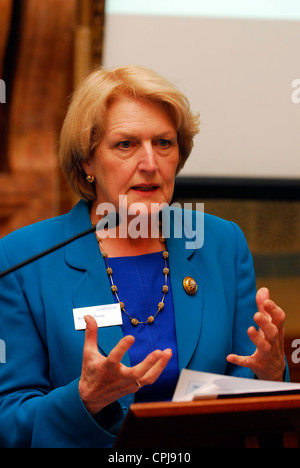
105 379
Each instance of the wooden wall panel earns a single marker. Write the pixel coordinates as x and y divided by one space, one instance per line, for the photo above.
5 17
43 78
46 48
37 57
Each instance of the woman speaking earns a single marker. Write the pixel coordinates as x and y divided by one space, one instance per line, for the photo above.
127 134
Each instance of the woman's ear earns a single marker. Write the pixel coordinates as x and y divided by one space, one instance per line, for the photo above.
87 167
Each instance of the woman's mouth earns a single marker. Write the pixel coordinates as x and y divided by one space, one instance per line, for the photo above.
145 187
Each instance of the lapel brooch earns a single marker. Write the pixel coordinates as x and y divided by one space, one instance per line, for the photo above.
190 285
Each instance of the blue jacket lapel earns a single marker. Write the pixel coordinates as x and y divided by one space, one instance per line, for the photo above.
188 309
93 287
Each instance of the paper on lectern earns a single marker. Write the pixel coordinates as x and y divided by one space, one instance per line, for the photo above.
194 385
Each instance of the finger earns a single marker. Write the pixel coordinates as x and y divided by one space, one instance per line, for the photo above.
276 313
261 296
117 353
91 334
242 361
150 360
156 370
262 344
270 330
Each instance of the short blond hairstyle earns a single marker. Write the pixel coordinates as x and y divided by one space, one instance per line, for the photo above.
85 122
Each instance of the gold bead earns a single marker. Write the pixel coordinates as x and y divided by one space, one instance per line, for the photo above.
104 254
122 305
165 254
150 319
165 288
114 288
161 305
134 322
166 271
162 239
109 271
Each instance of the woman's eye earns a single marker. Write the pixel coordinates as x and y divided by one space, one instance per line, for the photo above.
164 143
126 144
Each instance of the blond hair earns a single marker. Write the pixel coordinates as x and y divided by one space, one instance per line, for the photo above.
85 122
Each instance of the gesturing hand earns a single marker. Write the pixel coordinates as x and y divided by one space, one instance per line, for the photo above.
267 362
105 379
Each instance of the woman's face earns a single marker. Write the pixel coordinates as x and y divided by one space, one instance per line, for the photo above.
138 155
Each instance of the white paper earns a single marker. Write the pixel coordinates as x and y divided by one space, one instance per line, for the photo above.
105 315
193 385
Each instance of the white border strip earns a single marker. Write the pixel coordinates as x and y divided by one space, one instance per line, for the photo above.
247 9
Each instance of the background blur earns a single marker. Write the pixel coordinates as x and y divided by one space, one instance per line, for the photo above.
238 63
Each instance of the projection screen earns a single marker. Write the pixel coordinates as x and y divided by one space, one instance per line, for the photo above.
238 63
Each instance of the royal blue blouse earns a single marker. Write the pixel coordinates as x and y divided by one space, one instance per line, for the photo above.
140 280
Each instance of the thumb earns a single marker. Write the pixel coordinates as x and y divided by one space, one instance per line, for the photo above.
91 334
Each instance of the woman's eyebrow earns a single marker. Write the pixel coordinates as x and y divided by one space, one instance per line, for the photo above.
125 135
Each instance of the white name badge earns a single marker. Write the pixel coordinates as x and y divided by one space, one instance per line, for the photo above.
105 316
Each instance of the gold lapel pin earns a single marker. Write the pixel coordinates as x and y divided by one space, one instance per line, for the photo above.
190 285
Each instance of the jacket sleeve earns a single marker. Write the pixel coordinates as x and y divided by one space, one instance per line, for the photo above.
32 412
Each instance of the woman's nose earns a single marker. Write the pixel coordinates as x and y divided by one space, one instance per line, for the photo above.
147 162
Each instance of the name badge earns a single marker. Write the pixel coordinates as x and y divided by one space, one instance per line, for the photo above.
106 316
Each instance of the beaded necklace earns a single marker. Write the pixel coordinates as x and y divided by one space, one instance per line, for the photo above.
134 321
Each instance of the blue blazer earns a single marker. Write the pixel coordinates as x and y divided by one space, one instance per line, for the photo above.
39 401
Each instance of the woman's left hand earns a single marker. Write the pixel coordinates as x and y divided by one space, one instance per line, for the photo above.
267 362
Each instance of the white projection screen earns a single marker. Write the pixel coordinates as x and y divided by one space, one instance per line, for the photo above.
239 64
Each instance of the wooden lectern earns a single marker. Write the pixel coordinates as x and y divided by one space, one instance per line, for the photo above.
243 422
